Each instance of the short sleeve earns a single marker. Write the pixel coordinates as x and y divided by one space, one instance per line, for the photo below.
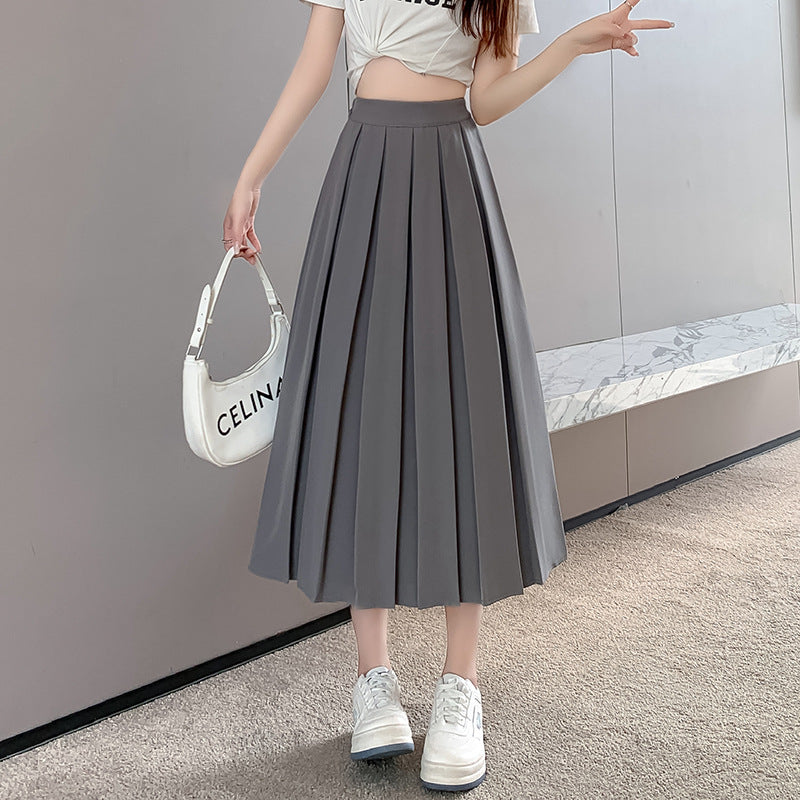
526 17
329 3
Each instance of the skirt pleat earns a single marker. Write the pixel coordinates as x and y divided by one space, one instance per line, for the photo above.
538 511
411 460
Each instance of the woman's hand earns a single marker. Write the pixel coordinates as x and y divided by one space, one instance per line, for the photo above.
612 31
237 229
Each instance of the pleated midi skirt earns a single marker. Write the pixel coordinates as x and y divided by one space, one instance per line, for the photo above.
411 461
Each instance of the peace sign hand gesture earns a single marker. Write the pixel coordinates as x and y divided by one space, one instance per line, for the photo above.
612 30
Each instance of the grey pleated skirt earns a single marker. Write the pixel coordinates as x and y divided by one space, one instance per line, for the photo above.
411 462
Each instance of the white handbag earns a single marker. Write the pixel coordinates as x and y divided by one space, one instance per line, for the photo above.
227 422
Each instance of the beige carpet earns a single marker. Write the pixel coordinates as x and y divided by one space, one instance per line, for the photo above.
660 661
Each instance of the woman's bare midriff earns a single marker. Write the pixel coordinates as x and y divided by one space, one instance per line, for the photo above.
387 78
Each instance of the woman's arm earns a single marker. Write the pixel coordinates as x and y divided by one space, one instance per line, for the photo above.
304 87
499 85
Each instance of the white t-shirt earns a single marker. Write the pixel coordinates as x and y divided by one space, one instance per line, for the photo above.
423 34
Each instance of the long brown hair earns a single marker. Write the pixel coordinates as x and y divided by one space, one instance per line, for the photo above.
492 21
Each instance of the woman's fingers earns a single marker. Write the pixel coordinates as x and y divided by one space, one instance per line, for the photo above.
230 237
238 224
625 38
247 251
251 245
239 241
626 32
227 234
613 31
625 9
254 239
643 24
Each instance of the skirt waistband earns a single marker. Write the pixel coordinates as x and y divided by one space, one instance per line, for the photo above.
380 111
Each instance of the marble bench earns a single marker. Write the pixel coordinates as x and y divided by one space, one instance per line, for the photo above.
583 382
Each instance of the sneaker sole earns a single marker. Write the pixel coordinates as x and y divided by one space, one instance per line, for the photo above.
442 779
454 787
390 740
383 751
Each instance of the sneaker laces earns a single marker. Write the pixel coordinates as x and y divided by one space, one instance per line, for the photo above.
379 689
452 703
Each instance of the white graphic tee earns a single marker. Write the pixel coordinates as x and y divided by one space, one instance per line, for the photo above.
423 34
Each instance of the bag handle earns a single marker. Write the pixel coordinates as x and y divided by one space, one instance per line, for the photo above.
208 300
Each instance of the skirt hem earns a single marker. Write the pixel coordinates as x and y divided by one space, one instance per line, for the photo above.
316 597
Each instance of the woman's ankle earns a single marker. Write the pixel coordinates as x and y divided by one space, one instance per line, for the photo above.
363 670
472 675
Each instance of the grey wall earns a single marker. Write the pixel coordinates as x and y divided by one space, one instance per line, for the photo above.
124 556
639 192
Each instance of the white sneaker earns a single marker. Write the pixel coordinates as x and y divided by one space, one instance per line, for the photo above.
453 757
380 723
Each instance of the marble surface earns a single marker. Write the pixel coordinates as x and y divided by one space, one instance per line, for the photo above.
583 382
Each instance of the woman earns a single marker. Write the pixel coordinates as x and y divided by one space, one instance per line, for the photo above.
411 459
